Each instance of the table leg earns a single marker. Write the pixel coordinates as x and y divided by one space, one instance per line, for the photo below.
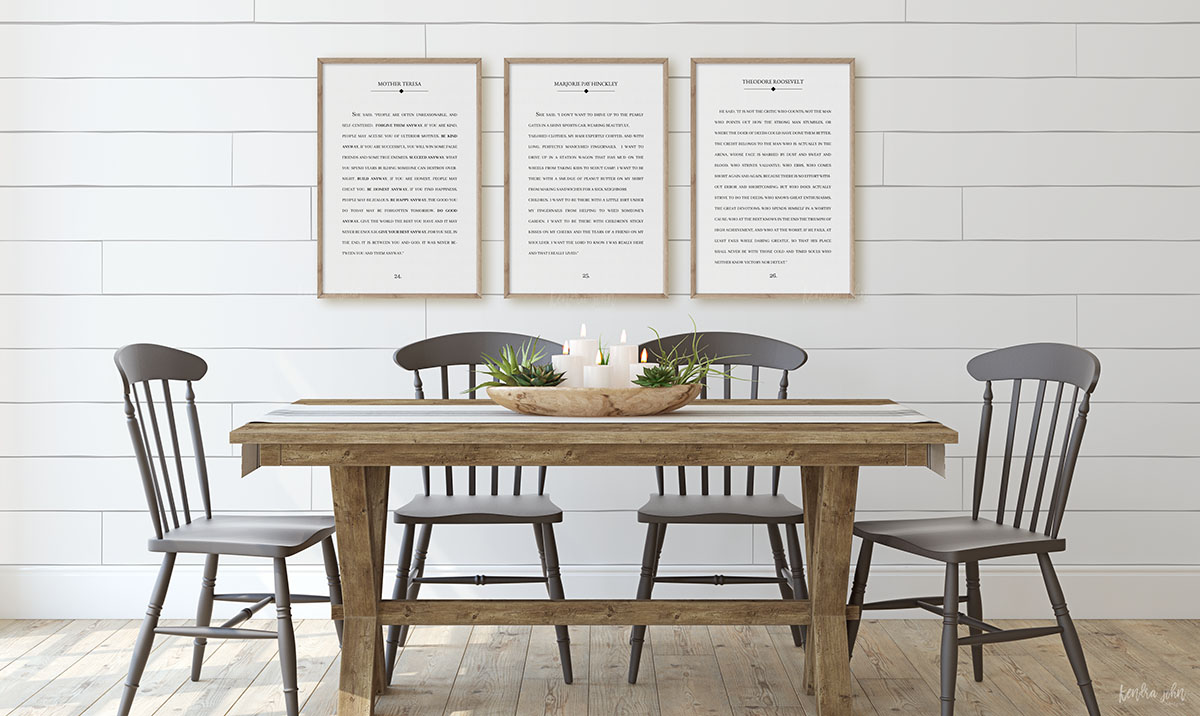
360 511
830 498
811 478
377 499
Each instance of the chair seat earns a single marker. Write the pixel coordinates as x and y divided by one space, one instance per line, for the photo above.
253 536
957 539
720 509
479 510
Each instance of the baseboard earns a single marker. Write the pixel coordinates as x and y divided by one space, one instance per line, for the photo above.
1013 592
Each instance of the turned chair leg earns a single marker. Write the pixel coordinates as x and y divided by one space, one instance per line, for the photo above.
286 636
975 611
418 571
208 585
949 639
539 537
1070 637
334 579
799 583
145 638
858 591
785 589
554 586
645 588
399 591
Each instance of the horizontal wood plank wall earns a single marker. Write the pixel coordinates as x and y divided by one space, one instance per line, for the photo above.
1027 172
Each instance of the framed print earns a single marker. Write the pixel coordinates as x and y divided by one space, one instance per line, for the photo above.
773 177
585 170
398 177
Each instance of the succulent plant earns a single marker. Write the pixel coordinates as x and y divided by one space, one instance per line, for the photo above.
684 363
537 375
518 367
657 376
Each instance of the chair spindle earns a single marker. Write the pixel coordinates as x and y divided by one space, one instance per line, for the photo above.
183 498
198 449
1041 486
1035 424
1014 407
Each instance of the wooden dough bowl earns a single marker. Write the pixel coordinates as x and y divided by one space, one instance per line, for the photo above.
594 402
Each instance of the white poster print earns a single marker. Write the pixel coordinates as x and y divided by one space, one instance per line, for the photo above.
773 193
586 189
399 190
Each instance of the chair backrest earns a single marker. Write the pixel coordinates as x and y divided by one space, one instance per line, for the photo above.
734 349
142 366
466 349
1055 366
745 349
462 349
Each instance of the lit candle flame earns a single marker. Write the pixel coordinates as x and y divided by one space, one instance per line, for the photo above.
566 349
599 358
583 330
623 336
645 357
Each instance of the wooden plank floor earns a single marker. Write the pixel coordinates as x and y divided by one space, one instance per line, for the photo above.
68 668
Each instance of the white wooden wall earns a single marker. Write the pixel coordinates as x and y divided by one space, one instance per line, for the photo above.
1028 171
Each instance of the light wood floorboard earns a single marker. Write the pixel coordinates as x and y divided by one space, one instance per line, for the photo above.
77 668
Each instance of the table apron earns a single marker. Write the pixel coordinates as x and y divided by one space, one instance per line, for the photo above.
596 612
587 454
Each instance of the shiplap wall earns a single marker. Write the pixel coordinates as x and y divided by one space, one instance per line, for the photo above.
1028 171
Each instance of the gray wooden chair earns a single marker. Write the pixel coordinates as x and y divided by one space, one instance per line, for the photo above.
1056 368
145 367
490 507
725 507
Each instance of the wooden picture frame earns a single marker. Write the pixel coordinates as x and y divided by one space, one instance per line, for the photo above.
750 77
581 76
365 275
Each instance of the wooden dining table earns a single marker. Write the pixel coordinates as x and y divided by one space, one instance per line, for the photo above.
359 440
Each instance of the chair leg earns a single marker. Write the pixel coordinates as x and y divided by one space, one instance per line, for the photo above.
975 611
334 579
1070 636
208 585
418 571
645 588
554 586
949 639
145 638
399 591
286 636
858 591
785 589
799 584
541 546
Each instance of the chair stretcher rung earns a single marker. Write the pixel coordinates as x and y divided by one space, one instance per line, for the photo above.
908 603
718 579
480 580
216 632
259 596
970 621
1008 635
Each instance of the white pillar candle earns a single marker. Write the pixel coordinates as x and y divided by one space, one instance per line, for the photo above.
583 347
620 357
598 377
571 366
636 369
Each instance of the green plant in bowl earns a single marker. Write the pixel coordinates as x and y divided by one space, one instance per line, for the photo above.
684 363
518 367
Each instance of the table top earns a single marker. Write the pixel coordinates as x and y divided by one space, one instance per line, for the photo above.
794 421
